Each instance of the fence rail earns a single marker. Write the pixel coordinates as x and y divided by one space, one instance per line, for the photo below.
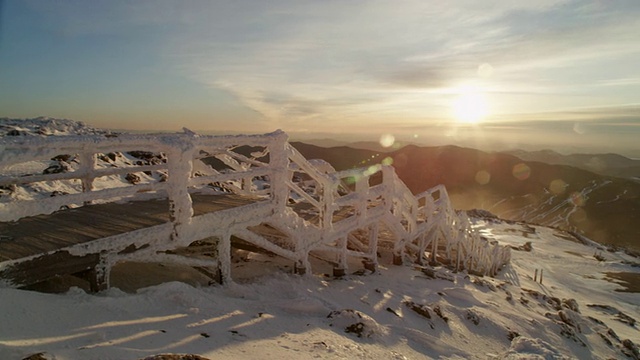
348 213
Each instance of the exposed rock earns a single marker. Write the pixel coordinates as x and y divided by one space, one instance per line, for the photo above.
568 326
174 357
58 193
473 317
483 283
60 167
148 158
512 334
62 157
39 356
630 349
393 312
438 274
418 308
145 155
606 339
355 322
110 157
613 334
554 302
571 304
624 318
16 132
132 178
509 296
617 314
438 311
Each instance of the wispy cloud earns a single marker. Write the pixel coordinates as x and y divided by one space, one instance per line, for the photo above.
321 65
316 55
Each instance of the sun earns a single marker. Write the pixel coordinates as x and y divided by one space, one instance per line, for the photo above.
470 106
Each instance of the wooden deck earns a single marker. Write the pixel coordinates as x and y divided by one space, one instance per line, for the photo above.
46 233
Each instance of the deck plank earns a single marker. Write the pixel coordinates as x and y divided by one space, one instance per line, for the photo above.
45 233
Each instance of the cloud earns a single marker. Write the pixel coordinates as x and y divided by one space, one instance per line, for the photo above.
327 63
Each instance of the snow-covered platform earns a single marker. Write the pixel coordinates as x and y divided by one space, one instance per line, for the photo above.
182 189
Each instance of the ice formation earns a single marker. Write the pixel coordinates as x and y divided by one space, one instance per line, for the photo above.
306 205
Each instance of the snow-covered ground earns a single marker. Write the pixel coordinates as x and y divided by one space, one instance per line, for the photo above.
399 312
273 314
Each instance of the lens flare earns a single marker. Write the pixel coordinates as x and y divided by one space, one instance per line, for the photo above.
558 186
521 171
483 177
387 140
577 199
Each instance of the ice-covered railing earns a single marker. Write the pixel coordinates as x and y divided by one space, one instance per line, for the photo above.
449 234
87 176
352 206
300 206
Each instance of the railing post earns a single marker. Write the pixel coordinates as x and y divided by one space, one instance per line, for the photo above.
180 165
327 199
279 164
362 189
387 181
373 242
340 269
224 258
87 164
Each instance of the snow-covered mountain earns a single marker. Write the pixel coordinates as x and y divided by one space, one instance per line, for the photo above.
560 297
46 126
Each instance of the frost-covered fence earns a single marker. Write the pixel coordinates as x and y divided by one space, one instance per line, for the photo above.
292 207
91 179
97 169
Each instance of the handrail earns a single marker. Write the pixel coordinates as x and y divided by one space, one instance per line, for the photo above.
344 202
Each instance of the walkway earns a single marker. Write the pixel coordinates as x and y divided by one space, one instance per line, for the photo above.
279 202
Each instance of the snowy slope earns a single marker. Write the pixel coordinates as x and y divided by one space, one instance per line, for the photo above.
273 314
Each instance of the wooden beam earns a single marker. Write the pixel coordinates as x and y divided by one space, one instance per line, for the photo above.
44 267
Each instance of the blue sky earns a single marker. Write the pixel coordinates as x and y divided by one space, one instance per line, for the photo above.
545 72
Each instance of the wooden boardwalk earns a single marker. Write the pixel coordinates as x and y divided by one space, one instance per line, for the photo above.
46 233
44 237
283 204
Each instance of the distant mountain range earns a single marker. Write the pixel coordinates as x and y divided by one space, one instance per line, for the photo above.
604 164
602 207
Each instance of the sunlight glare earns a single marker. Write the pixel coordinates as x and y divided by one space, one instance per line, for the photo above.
470 106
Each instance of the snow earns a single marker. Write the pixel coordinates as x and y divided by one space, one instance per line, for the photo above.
270 313
281 315
46 126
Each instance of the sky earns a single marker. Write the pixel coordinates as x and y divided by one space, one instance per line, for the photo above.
548 73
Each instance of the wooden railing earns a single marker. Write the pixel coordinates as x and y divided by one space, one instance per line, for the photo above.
314 207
